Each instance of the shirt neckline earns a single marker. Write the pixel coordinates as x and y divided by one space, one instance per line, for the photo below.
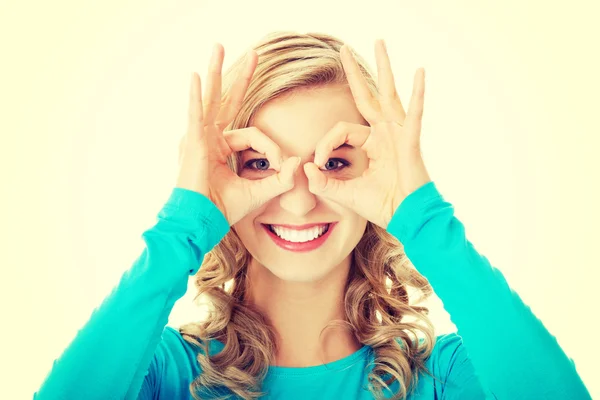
334 366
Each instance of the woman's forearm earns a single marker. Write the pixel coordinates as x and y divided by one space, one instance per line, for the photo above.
109 356
513 353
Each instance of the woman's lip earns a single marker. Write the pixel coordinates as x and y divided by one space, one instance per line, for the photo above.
300 247
300 227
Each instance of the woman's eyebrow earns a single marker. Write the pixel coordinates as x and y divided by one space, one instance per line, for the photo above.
342 146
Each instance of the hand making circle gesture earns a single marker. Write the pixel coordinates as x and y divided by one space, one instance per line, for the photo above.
392 144
204 149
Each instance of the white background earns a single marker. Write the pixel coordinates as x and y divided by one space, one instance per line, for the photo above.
94 100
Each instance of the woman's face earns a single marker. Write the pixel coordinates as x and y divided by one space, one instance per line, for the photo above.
296 122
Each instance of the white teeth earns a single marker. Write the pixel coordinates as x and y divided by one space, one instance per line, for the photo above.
302 236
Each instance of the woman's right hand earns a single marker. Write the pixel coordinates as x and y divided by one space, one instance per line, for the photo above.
204 149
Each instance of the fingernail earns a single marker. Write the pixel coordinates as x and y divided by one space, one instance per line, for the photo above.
298 159
346 49
291 175
350 52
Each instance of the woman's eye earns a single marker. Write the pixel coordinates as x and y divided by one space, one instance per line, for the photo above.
262 163
332 163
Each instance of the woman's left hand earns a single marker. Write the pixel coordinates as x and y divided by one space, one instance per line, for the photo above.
392 143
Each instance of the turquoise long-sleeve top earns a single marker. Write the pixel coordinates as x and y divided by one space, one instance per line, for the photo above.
501 350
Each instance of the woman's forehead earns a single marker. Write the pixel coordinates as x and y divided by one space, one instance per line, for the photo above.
297 121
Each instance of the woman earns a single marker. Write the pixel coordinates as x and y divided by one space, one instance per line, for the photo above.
304 196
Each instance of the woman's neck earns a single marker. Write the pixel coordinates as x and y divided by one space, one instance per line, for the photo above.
299 311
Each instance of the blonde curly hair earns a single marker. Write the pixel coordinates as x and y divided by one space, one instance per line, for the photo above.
376 292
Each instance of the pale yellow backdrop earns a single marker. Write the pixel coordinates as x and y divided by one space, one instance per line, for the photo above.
93 102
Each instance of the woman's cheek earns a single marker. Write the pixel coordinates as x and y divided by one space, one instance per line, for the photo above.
343 175
255 175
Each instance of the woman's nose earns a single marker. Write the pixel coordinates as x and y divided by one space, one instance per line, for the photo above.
298 200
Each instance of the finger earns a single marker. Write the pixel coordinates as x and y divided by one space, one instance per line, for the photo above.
212 102
365 102
414 116
343 132
235 98
195 120
195 123
263 190
253 138
390 103
342 192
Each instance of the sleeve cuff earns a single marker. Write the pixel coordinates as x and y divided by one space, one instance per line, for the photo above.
411 214
200 215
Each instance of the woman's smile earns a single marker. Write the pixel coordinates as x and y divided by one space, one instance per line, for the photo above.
299 238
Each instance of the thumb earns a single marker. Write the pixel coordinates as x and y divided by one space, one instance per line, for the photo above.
333 189
263 190
317 181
